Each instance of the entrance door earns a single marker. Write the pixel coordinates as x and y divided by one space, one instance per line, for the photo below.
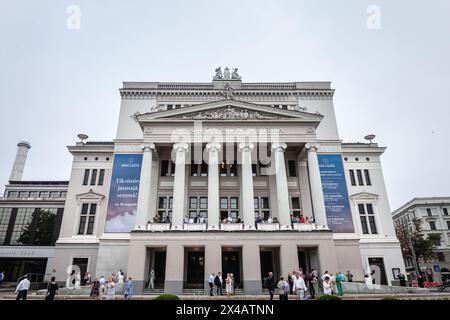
82 263
378 271
269 263
160 268
231 264
195 269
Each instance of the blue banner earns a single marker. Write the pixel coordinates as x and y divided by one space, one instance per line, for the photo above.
123 193
337 206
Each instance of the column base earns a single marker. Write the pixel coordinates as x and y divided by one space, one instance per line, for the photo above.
249 227
285 227
214 228
177 228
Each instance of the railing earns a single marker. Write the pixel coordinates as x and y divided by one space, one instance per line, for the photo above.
231 226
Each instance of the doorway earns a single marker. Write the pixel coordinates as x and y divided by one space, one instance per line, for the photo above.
231 263
378 271
195 268
270 262
157 262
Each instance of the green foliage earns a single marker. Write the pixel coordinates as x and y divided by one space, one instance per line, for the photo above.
425 246
167 297
328 297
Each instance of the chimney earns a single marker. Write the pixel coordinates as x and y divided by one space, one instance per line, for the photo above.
19 162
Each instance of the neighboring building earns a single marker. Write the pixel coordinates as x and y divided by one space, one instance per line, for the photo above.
148 199
30 218
434 215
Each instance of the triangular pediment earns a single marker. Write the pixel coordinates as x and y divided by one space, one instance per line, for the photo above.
364 196
90 195
230 110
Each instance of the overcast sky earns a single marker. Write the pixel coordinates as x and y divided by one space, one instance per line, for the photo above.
394 82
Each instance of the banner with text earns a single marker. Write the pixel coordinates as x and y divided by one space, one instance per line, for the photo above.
123 193
337 206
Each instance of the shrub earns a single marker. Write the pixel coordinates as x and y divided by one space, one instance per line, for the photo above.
167 297
328 297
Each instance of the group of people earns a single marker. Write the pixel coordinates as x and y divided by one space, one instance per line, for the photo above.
158 219
269 220
102 287
309 285
217 281
302 219
230 219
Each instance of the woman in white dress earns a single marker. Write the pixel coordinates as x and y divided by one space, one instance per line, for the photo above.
110 289
228 284
120 277
327 286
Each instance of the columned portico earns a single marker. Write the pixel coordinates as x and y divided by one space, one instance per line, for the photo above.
247 186
213 185
179 187
315 182
143 207
282 187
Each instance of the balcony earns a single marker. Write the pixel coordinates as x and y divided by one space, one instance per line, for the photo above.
304 227
268 226
194 227
231 226
158 227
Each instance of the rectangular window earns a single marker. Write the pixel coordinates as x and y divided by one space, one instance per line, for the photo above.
101 177
448 225
223 169
223 203
87 219
55 194
432 225
93 177
234 203
429 212
373 227
362 214
86 177
295 203
169 107
172 168
367 176
360 179
44 194
23 194
5 216
193 203
13 194
194 169
164 168
204 169
352 177
162 203
264 203
233 170
292 169
255 203
445 210
203 203
34 194
254 169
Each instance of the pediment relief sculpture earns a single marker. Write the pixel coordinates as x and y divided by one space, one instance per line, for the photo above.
228 114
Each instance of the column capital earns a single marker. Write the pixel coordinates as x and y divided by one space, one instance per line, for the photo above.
246 146
311 147
148 147
213 146
279 146
182 146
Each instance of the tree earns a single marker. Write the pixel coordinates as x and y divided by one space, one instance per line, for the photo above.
411 236
40 230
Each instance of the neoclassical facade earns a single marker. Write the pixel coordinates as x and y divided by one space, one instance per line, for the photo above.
242 178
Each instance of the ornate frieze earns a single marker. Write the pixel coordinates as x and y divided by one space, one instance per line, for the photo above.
228 114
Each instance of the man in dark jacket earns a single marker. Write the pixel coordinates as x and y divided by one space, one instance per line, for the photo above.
270 285
218 283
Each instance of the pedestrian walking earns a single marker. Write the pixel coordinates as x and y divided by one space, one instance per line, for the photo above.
270 285
128 294
52 288
111 289
211 284
22 288
95 290
300 288
283 289
218 284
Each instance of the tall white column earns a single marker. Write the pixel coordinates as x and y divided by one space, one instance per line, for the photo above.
179 186
248 205
213 185
143 206
284 212
315 184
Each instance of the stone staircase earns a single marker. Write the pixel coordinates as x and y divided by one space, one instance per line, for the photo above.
156 291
